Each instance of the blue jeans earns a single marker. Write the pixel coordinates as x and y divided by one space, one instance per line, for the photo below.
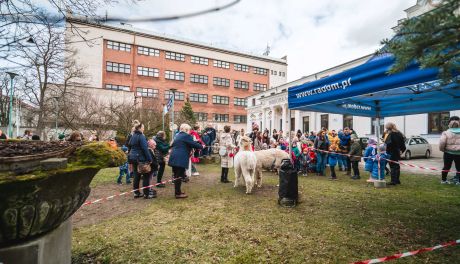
124 171
321 162
341 162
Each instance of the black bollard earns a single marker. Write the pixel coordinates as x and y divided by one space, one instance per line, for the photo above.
288 185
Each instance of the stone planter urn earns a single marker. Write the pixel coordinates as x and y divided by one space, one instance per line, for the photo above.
38 195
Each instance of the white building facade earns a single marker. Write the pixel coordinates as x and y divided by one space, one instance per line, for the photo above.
269 109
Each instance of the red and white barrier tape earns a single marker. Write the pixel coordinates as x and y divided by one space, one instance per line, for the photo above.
393 161
125 193
407 254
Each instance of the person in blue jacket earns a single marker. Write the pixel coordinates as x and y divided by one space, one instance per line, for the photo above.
369 155
179 159
332 160
139 153
344 145
378 170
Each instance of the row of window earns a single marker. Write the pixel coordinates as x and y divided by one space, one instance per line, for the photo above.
437 122
180 76
282 74
220 117
180 96
181 57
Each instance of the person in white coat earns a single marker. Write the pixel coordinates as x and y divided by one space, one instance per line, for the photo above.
227 145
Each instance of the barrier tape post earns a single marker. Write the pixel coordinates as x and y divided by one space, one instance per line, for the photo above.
407 254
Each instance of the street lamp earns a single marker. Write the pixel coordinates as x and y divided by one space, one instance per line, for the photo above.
173 101
10 112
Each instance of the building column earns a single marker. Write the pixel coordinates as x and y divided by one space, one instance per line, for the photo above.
264 120
272 119
284 118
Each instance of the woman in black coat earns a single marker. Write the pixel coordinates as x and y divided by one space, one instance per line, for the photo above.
395 146
179 158
139 153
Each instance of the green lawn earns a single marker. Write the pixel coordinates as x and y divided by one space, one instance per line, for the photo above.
337 222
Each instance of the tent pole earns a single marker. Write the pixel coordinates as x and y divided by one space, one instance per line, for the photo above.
289 133
377 132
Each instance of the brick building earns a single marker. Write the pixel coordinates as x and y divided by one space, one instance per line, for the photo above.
216 81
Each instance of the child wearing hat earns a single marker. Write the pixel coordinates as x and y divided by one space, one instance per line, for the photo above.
332 160
369 155
379 163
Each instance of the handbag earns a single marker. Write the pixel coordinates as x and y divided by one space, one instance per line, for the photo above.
143 167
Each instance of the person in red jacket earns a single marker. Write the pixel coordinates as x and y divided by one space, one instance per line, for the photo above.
196 154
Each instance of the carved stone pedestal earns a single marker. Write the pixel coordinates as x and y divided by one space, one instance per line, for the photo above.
54 247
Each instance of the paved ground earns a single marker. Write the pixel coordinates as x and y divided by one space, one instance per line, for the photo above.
430 163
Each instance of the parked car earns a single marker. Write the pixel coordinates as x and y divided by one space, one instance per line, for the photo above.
417 146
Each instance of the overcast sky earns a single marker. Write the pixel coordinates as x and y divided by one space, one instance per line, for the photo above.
314 34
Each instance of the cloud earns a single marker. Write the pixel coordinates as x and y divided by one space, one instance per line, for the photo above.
314 34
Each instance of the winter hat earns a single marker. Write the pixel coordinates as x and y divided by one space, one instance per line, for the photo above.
382 148
372 142
354 137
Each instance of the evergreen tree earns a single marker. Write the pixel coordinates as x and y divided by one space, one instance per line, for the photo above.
432 39
187 115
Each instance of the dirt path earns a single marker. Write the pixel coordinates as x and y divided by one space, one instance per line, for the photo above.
123 205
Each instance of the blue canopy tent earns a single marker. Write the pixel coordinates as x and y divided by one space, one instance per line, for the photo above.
368 90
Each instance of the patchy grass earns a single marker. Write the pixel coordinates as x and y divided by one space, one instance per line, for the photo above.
337 222
104 176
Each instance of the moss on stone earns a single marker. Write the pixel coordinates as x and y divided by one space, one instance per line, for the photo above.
100 155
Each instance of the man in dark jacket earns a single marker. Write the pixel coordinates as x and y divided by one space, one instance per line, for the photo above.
161 151
395 146
209 136
179 159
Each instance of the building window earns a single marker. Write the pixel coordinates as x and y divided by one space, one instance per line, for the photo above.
117 87
373 120
148 51
260 71
118 67
221 64
150 72
348 121
240 101
260 87
199 60
438 122
146 92
241 67
118 46
200 98
201 116
217 99
221 82
306 123
325 121
178 96
239 118
253 101
241 84
173 75
195 78
175 56
220 118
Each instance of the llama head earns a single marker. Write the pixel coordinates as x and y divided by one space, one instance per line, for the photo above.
245 143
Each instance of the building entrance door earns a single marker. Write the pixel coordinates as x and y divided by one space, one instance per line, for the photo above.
292 124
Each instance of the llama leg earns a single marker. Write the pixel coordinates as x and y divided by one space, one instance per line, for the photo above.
237 176
259 178
249 180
